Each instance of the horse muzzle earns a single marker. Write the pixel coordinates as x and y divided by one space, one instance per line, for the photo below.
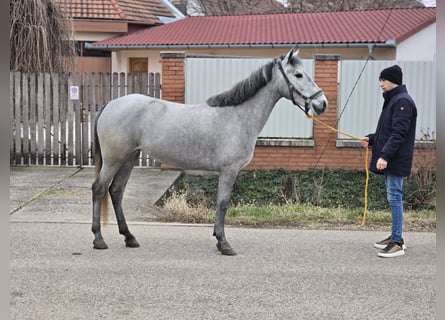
319 105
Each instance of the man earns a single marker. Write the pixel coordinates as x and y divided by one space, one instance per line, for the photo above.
392 152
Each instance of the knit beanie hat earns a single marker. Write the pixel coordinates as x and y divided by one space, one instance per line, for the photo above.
393 74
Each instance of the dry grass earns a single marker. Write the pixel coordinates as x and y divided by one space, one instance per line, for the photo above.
295 216
181 211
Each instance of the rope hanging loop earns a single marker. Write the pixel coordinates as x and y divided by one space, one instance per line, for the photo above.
365 209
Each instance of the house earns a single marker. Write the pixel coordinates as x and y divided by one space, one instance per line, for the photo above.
393 34
328 37
96 20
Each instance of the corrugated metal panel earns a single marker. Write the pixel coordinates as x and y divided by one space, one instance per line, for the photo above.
205 77
360 115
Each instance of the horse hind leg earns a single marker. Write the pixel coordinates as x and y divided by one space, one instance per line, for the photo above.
117 189
99 189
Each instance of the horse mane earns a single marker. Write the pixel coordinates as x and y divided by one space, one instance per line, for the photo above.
245 89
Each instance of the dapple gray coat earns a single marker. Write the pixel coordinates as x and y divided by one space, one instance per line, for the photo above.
216 135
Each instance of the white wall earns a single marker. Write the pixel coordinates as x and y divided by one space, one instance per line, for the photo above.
420 46
119 59
93 36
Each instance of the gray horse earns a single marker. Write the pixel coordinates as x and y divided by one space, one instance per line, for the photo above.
217 135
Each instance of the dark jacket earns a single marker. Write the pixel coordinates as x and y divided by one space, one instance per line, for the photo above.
395 135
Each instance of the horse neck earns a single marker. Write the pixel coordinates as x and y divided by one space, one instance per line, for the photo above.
259 107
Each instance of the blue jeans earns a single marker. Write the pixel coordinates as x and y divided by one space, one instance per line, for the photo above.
394 186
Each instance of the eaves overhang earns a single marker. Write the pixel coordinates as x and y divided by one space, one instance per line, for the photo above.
388 44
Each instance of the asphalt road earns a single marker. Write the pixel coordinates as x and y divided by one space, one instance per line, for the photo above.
177 273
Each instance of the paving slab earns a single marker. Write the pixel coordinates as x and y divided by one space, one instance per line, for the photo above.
56 193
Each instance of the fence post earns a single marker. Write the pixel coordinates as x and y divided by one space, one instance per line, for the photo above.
47 119
18 117
63 96
173 80
77 109
56 119
25 118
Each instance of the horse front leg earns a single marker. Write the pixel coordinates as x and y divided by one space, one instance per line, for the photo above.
225 186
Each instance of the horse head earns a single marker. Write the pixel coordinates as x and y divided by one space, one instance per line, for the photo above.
301 89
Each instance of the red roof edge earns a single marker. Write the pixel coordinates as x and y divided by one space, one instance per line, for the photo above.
415 30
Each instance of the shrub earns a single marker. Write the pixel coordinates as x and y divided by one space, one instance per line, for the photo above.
319 187
421 187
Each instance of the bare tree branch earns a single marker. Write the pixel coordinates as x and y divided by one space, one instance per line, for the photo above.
39 37
231 7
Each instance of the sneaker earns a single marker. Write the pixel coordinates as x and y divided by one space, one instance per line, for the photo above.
393 249
382 244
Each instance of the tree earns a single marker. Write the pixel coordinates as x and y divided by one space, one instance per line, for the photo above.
231 7
39 37
347 5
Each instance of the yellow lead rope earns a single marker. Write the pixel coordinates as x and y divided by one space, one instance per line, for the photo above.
366 162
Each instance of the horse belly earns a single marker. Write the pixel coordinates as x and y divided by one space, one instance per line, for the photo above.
206 154
185 158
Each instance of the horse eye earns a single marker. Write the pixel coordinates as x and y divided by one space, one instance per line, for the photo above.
299 75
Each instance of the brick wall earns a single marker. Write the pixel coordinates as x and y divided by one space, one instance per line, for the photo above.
172 83
172 79
324 154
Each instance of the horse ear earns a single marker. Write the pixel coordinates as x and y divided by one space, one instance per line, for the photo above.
295 59
288 57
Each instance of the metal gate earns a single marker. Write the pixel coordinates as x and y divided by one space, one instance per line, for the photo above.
52 115
360 97
284 121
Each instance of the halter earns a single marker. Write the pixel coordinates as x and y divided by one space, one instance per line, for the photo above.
292 89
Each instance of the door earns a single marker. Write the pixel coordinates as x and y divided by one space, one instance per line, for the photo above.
138 67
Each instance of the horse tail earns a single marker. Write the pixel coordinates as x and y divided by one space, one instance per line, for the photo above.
98 165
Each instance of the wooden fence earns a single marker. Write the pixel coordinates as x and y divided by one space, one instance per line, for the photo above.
52 115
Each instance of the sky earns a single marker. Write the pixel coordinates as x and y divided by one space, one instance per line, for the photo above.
429 3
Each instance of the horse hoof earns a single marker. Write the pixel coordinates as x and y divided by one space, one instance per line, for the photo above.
225 250
100 244
228 252
132 243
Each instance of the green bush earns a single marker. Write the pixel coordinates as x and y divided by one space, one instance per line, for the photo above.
320 187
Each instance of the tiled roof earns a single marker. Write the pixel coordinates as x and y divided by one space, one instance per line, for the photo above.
282 29
137 11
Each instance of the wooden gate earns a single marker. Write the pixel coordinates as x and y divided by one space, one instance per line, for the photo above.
52 115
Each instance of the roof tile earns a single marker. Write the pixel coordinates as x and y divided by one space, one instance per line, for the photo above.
289 28
139 11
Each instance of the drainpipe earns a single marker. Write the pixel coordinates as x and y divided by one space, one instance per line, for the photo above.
371 51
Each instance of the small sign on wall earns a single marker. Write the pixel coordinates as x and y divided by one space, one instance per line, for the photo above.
74 92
